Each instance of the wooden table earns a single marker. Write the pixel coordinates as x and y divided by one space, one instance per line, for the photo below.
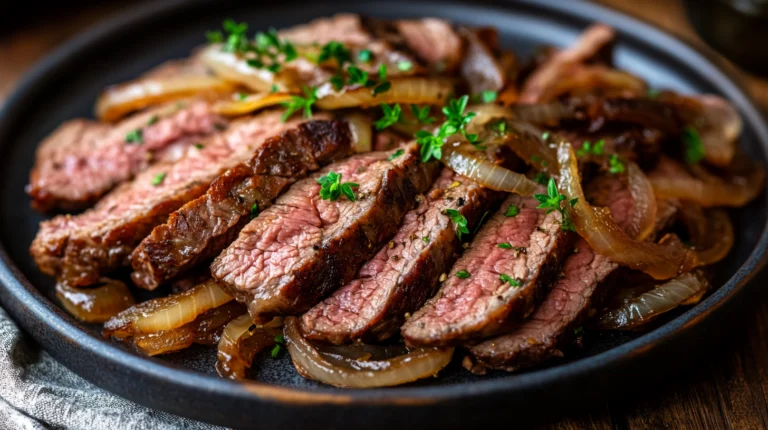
727 389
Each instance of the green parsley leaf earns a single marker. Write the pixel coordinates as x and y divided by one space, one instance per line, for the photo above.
591 149
488 96
383 72
153 120
459 220
545 136
505 245
158 179
275 351
391 116
454 113
135 136
422 114
404 66
336 51
199 145
273 89
236 39
280 339
298 103
512 281
364 56
512 211
254 210
615 165
214 36
541 178
381 88
425 239
694 148
359 76
242 96
395 154
337 81
431 145
462 274
499 127
331 187
552 202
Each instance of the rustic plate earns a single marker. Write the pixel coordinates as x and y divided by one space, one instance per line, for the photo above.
66 84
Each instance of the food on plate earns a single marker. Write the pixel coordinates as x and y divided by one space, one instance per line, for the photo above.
377 198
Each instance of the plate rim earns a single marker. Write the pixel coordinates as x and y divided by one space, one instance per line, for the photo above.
24 297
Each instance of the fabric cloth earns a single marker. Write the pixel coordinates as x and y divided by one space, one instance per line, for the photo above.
36 392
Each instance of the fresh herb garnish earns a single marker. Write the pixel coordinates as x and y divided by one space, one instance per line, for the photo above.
273 89
383 85
391 116
158 179
275 350
364 56
578 331
135 136
488 96
254 210
334 51
545 136
298 103
199 145
331 187
422 114
553 201
431 144
241 96
694 148
512 281
512 211
653 93
499 127
615 165
264 51
454 114
462 274
153 120
459 220
404 66
395 154
541 178
280 339
480 223
591 149
505 245
425 239
359 76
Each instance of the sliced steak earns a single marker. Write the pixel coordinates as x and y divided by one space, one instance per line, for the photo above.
205 226
82 160
479 299
405 272
82 247
302 248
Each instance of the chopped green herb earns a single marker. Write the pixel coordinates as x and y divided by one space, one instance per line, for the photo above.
431 144
459 220
236 39
454 114
541 178
480 223
381 88
242 96
512 281
158 179
396 154
462 274
275 351
488 96
552 201
199 145
425 239
391 116
273 89
153 120
422 114
500 127
334 51
578 331
694 148
545 136
653 93
298 103
404 66
359 76
214 36
512 211
337 81
591 149
615 165
135 136
254 210
364 56
280 339
331 187
505 245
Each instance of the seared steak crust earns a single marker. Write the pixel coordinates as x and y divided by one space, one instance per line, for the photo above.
405 272
302 248
483 304
205 226
81 248
82 160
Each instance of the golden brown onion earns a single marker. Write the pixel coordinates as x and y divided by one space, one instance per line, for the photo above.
250 103
686 289
581 81
240 341
476 167
362 133
710 232
420 91
357 371
645 209
167 313
597 227
96 304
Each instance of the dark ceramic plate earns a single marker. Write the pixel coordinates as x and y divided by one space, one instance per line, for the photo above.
66 84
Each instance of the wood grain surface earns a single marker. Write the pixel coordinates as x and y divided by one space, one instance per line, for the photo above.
727 389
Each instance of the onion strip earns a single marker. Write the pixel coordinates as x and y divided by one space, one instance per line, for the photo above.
251 103
97 304
354 372
645 208
710 232
486 173
420 91
240 341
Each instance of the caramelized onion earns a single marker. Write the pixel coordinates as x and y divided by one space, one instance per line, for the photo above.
479 169
710 232
362 133
240 341
687 288
251 103
645 208
597 227
545 114
719 126
167 313
581 81
361 370
122 99
421 91
97 304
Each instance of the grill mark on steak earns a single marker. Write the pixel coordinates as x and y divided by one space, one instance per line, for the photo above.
405 271
482 304
205 226
81 248
570 301
302 248
82 160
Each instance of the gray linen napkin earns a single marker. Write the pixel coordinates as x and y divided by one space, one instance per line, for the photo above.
36 392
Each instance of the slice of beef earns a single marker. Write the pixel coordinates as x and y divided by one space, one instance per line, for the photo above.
82 160
302 248
205 226
584 273
80 248
405 272
490 287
